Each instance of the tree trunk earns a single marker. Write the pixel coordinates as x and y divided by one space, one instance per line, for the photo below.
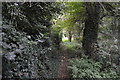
70 36
90 33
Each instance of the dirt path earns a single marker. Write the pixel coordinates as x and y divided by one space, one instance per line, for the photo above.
63 70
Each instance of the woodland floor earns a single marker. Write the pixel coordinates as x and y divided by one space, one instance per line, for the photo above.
63 70
58 64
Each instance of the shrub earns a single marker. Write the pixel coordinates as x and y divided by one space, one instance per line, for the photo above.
87 68
21 57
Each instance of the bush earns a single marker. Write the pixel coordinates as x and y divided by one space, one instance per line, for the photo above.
21 57
87 68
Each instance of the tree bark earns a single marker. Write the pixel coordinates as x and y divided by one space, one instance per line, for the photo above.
90 33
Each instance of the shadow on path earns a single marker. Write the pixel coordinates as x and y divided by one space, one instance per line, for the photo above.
63 70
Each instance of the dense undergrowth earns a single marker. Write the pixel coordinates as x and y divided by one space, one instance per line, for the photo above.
88 68
27 48
22 57
80 66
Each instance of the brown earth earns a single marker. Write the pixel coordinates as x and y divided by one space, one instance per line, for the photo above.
63 70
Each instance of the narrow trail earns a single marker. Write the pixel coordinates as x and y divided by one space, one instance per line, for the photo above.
63 70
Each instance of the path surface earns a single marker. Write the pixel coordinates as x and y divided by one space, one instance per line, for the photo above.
63 70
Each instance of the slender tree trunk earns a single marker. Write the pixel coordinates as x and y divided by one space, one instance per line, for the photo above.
70 36
90 33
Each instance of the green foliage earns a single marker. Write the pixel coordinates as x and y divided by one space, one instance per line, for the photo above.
87 68
72 13
22 57
73 49
30 18
66 40
72 44
26 39
79 39
108 51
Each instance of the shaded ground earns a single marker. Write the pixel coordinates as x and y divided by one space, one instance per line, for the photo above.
54 60
58 64
63 70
